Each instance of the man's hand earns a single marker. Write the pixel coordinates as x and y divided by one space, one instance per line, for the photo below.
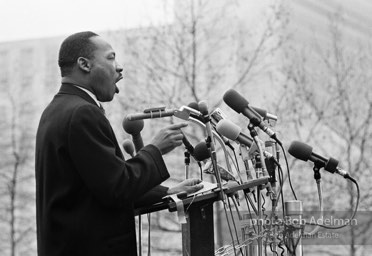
169 138
189 186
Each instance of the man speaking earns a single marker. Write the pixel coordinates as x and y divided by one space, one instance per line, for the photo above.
85 190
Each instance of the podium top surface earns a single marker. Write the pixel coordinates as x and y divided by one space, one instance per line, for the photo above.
210 196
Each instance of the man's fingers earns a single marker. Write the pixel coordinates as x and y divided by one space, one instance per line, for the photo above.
196 188
178 136
194 181
177 143
177 126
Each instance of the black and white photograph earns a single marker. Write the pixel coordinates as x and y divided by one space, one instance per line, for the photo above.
190 128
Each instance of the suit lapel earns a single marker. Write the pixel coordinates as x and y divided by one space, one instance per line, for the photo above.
67 88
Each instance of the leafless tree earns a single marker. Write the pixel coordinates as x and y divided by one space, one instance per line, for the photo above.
327 102
17 218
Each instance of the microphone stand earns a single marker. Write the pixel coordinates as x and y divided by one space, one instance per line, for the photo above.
293 232
275 198
261 170
245 156
187 163
258 166
218 138
317 178
139 224
211 148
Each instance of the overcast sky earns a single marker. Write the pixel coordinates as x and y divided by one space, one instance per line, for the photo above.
24 19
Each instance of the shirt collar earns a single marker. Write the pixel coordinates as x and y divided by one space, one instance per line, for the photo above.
90 94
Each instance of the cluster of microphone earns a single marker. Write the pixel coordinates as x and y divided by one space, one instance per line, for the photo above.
218 126
216 121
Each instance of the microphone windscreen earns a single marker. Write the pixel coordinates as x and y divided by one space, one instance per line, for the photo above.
228 129
133 127
234 100
300 150
201 151
194 105
203 107
331 165
128 147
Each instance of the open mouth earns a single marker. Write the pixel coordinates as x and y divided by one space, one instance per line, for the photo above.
119 78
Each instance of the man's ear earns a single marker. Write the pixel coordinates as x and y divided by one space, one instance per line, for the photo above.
84 64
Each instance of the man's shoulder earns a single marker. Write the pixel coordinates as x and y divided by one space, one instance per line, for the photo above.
63 108
69 102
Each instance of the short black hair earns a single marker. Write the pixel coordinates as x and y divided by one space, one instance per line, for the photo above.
75 46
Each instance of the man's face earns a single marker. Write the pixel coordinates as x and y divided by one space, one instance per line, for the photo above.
105 71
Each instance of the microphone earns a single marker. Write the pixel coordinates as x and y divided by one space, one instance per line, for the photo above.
216 116
265 114
234 132
183 113
203 108
134 128
128 147
193 105
152 114
201 152
187 144
238 103
305 152
225 175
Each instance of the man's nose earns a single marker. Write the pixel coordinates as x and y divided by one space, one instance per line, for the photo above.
119 68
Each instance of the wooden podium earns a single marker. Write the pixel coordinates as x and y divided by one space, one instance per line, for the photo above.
198 232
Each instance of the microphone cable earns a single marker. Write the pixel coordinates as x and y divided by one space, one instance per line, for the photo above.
235 229
228 224
353 214
248 200
289 173
280 194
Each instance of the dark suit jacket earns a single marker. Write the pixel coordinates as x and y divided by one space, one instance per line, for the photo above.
85 190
